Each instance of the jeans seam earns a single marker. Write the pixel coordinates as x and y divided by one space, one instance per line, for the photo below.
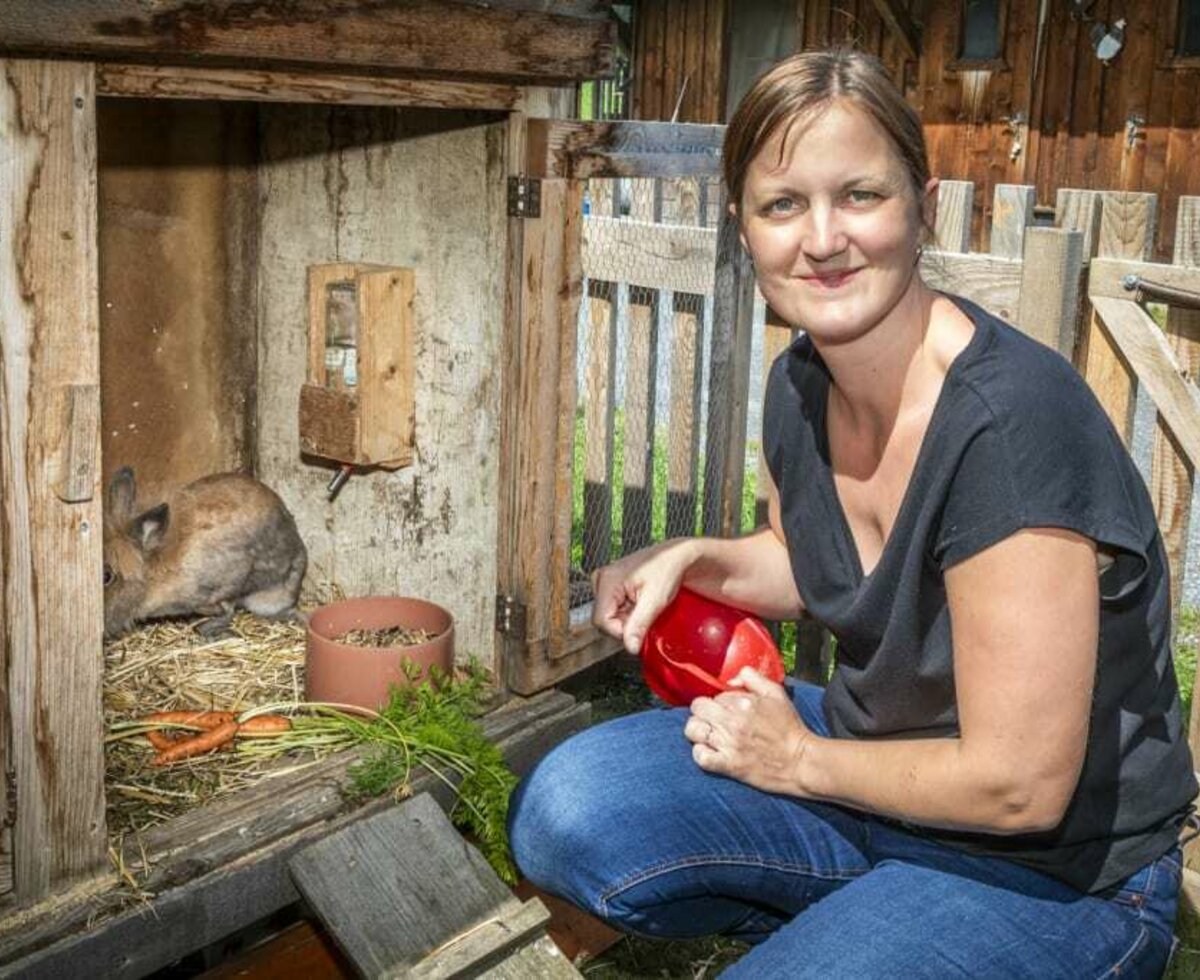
655 871
1139 943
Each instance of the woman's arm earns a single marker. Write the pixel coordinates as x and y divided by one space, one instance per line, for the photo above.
751 572
1025 624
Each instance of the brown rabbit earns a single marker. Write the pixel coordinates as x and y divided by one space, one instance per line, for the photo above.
223 541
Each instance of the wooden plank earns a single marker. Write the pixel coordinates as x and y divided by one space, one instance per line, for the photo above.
191 82
991 281
955 206
729 383
641 373
1143 345
640 253
683 440
502 40
1012 213
50 567
492 946
223 866
386 374
567 148
598 410
777 337
1126 231
1105 276
1080 211
395 886
1050 287
901 25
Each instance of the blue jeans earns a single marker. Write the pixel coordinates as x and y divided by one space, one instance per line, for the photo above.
621 821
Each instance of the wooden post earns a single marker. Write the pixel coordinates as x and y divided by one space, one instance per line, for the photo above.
1050 281
51 600
952 230
1171 472
1078 210
1126 231
683 450
729 382
598 424
1012 213
641 370
777 336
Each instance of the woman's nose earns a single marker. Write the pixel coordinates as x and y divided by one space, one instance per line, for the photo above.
824 236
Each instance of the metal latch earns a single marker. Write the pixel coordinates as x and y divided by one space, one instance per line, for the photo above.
524 197
510 617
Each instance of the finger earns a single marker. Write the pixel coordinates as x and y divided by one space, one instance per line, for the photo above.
707 758
749 679
697 730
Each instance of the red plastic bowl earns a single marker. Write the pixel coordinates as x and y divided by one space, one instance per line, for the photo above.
697 645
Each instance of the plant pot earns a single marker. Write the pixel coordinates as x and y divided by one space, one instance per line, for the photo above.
345 673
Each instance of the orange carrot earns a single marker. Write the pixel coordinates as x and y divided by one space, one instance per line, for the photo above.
161 740
197 744
265 725
200 719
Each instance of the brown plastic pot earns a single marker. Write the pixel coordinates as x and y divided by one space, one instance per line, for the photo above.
348 674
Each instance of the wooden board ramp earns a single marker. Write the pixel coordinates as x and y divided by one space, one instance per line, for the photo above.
405 895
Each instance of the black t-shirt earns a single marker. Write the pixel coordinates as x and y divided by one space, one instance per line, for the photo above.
1016 440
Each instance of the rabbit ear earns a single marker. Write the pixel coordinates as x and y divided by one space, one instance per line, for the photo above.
149 528
122 495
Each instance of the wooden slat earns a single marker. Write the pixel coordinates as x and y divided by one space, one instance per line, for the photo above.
729 383
1050 287
501 40
653 256
221 867
1126 231
955 205
1012 213
51 559
641 373
991 281
598 400
190 82
777 337
1143 345
386 382
560 148
683 449
1079 210
503 944
1105 275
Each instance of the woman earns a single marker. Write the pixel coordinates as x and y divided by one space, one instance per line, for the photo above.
994 781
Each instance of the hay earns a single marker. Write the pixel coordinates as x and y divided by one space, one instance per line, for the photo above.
168 666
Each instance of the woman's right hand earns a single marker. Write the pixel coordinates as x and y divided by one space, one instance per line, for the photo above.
631 592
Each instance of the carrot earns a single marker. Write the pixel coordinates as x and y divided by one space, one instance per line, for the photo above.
265 725
161 740
200 719
197 744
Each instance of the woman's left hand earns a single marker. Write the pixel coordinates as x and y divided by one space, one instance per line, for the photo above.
753 734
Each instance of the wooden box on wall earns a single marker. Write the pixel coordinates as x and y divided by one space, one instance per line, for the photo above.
358 405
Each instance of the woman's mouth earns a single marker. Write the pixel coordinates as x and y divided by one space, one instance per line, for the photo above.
830 280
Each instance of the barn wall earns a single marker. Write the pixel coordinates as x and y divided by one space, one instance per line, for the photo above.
417 188
1061 122
177 199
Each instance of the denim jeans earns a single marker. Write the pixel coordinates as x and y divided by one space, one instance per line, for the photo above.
621 821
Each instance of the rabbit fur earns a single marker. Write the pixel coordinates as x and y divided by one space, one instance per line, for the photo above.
223 541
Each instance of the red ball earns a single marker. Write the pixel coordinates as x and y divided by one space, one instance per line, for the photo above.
697 645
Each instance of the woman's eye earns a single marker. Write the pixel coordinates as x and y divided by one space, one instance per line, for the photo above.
861 197
781 205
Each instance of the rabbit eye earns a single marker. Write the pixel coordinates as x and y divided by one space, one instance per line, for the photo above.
109 575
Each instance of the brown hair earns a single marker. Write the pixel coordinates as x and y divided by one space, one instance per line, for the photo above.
803 85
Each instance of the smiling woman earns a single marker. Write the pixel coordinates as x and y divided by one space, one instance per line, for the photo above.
995 779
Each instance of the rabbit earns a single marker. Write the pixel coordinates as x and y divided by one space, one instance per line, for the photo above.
223 541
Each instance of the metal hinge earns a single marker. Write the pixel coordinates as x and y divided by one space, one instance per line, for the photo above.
510 617
524 197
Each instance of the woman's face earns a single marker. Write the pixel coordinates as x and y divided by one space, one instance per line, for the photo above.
832 222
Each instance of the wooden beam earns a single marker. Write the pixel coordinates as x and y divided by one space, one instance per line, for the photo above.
955 206
1143 345
1051 272
559 148
1105 275
187 82
1012 213
672 257
51 666
223 866
991 281
901 25
505 40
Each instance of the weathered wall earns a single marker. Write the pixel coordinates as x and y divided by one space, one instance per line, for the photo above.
177 197
417 188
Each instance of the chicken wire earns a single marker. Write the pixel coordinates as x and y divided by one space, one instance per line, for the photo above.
644 335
